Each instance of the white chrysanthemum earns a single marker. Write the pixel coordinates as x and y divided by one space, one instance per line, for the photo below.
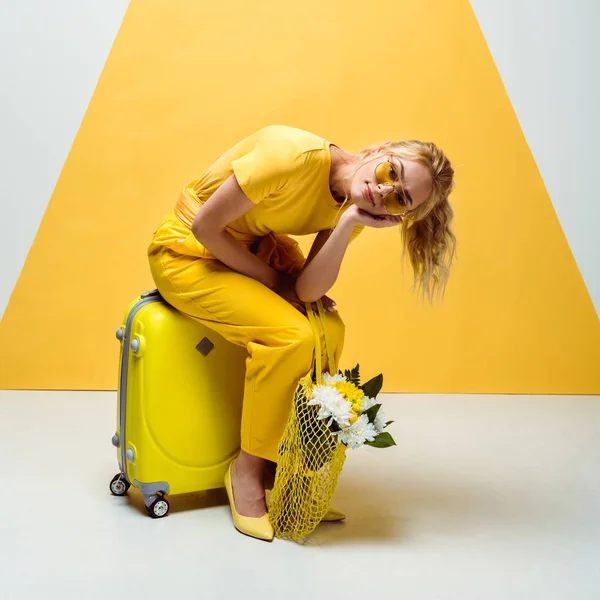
323 394
367 403
332 405
358 433
380 421
327 378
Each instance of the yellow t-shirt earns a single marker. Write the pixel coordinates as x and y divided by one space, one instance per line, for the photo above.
283 170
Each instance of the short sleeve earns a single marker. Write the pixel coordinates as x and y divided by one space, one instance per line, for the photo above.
265 169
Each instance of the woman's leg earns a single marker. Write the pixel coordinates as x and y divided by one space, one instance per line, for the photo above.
280 342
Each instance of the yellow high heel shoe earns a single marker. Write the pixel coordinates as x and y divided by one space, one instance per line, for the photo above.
256 527
333 515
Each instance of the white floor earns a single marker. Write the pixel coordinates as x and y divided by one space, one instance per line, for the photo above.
484 498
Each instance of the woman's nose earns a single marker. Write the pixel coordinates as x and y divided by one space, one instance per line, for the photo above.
385 189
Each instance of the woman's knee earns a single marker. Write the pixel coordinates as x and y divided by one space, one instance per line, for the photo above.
302 332
302 335
295 334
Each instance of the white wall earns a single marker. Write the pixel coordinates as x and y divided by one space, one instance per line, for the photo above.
53 53
52 56
548 55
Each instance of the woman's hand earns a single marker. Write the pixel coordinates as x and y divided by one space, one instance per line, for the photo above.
328 303
286 288
356 216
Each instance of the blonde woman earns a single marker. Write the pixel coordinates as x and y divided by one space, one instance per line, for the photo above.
224 256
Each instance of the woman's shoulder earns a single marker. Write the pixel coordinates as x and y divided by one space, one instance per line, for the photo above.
300 139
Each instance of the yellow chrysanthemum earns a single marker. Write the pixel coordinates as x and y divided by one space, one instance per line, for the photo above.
350 391
354 416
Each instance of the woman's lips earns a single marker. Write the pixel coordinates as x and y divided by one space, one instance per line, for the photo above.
368 194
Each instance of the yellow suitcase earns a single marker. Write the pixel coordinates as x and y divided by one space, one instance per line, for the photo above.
179 404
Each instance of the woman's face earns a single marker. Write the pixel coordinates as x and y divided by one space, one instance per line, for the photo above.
412 185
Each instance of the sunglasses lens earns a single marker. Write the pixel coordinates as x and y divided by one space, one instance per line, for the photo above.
385 173
395 204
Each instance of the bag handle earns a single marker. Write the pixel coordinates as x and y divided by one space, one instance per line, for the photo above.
328 348
328 344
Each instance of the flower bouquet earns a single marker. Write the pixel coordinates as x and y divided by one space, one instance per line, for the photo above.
351 410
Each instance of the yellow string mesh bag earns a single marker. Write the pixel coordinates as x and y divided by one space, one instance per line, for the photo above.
310 459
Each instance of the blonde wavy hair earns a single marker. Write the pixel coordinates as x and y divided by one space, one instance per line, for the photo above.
426 234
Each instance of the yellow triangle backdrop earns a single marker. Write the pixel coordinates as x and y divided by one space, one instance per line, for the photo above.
182 85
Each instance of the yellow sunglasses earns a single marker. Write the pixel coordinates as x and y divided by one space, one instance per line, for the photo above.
387 174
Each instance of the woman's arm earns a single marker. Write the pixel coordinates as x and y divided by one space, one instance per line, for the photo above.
317 244
227 204
324 261
318 277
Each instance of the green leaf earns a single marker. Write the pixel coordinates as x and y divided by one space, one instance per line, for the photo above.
383 440
372 387
355 375
372 412
389 423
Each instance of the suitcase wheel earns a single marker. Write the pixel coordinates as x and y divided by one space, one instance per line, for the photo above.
119 485
159 508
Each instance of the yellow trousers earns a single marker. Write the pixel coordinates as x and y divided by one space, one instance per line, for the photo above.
279 338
